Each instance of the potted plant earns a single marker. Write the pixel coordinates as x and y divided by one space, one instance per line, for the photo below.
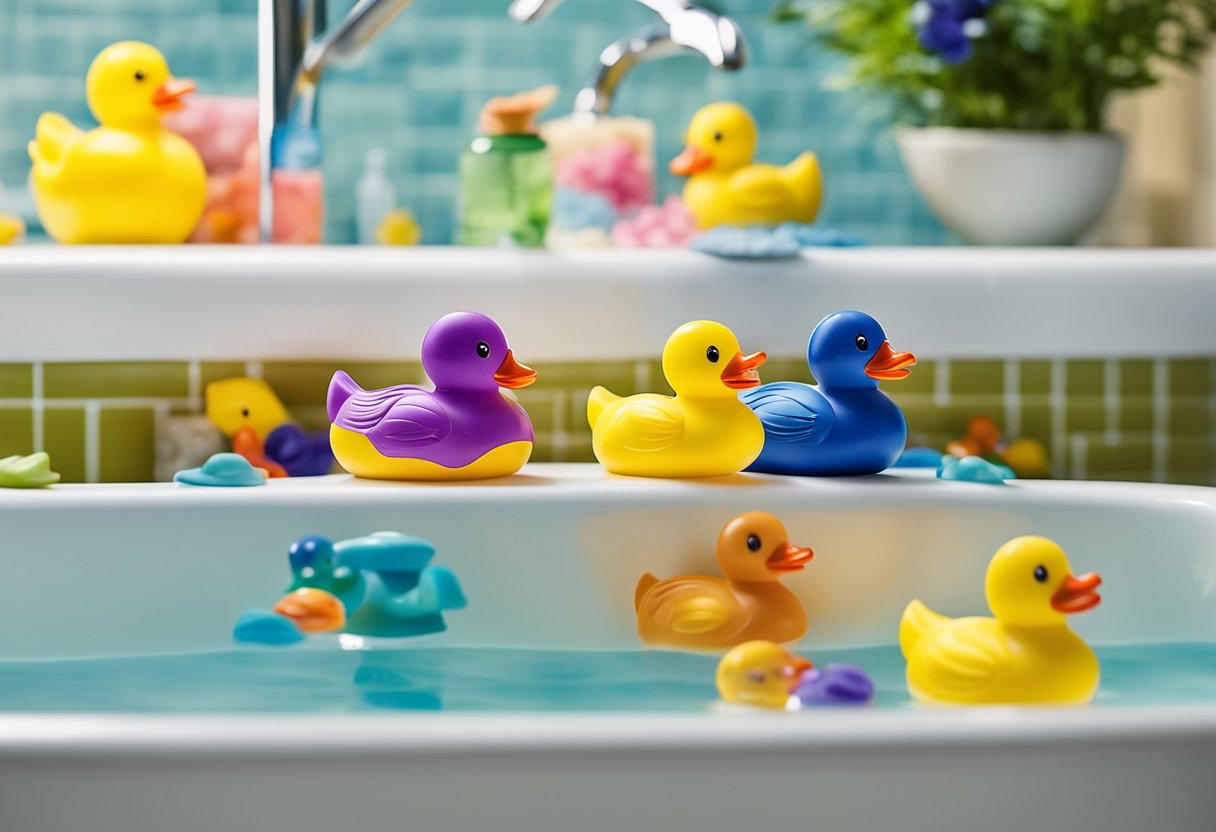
1002 102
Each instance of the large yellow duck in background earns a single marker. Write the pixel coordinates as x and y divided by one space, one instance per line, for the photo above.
704 431
130 180
1026 654
727 188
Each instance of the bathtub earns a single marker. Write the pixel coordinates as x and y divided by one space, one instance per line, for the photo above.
550 562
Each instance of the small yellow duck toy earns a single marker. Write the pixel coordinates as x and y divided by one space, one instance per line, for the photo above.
1026 654
701 612
704 431
760 674
726 187
130 180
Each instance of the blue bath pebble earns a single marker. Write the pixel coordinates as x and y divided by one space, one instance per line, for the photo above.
258 626
575 210
973 469
919 458
836 684
813 236
752 243
223 470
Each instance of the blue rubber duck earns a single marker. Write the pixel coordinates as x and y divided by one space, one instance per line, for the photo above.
845 426
383 580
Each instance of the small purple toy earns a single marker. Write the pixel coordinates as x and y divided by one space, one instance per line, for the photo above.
836 684
465 429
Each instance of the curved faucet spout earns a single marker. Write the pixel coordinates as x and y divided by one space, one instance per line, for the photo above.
684 26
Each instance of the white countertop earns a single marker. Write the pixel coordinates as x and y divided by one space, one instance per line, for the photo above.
236 303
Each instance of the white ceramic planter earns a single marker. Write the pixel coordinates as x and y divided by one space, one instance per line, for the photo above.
1012 188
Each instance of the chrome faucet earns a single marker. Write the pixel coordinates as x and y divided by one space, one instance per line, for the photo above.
294 48
683 25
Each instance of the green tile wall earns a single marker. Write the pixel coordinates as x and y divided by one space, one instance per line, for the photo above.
103 419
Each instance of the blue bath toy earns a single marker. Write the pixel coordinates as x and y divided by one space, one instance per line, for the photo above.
224 470
301 454
259 626
813 236
919 458
973 469
836 684
576 210
383 580
844 426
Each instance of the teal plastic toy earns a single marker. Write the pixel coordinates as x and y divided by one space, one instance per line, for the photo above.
222 470
384 581
258 626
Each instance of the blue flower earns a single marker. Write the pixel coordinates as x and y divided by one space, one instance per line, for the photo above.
945 26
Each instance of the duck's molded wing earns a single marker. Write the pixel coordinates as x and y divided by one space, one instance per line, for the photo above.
759 187
959 660
54 136
690 605
403 417
806 180
646 423
917 620
438 589
597 400
791 412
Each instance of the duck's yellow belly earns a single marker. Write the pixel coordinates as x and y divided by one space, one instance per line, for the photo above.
718 440
160 201
1045 669
356 453
708 198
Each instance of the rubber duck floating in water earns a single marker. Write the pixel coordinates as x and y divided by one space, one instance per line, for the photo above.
704 431
704 613
383 582
465 429
1026 654
761 674
845 425
247 411
726 187
130 180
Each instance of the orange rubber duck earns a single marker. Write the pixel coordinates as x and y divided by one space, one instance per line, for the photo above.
698 612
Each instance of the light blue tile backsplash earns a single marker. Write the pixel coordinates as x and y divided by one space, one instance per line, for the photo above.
419 90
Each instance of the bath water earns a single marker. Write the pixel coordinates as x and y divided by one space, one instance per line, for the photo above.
432 678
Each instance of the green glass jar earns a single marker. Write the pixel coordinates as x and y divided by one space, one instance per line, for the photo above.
506 191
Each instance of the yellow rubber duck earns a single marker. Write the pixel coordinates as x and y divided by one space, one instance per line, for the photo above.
704 431
130 180
1026 655
12 230
761 674
236 403
727 188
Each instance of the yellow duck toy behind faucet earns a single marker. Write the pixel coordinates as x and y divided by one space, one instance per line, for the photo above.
130 180
1026 654
727 188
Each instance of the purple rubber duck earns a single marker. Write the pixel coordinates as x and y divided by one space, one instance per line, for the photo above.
836 684
465 429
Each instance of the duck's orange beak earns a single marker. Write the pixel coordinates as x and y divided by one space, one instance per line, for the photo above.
740 372
889 364
789 558
312 610
513 375
1077 594
168 96
794 669
691 160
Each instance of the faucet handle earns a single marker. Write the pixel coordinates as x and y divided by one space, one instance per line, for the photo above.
526 11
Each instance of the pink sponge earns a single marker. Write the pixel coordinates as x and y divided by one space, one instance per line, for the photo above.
616 172
657 226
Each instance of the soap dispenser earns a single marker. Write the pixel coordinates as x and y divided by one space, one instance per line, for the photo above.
375 196
506 177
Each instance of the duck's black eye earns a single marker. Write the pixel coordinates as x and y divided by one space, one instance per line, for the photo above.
753 543
245 412
718 136
483 349
139 75
861 342
712 354
1040 573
